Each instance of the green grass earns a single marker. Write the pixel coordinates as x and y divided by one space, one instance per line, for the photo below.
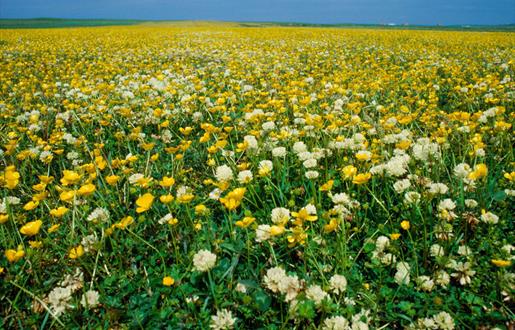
33 23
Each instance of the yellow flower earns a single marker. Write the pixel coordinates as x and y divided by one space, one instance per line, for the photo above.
70 177
245 222
112 179
509 176
3 218
86 189
144 202
331 226
15 255
76 252
11 177
395 236
303 215
35 244
405 225
31 228
31 205
168 281
276 230
361 178
327 186
167 182
233 199
53 228
124 222
480 171
165 199
59 212
67 196
349 171
201 209
501 263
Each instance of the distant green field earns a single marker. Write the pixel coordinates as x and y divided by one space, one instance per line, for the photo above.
34 23
57 22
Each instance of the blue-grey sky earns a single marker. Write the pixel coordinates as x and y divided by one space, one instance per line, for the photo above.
309 11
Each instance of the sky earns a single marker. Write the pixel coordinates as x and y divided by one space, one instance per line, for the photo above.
427 12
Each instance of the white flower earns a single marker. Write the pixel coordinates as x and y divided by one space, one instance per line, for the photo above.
489 218
402 275
240 287
266 165
204 260
411 197
251 142
382 242
436 250
222 320
338 283
462 170
99 215
470 203
444 321
245 177
299 147
59 298
336 323
447 204
442 278
425 283
437 188
280 215
312 174
268 126
223 173
401 185
310 163
135 178
273 277
316 294
262 233
279 152
90 299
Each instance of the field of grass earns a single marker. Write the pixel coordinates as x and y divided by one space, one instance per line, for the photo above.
208 175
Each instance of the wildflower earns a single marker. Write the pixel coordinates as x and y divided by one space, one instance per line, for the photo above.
204 260
14 255
338 283
402 276
90 299
112 179
168 281
307 213
401 185
31 228
265 167
166 199
233 199
11 177
70 178
223 320
86 190
480 171
59 299
224 173
262 233
489 217
336 323
501 263
405 225
349 171
76 252
245 222
167 182
361 178
184 194
316 294
245 177
59 212
279 152
280 215
144 203
327 186
463 272
99 215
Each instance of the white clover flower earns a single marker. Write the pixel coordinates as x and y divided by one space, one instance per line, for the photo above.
442 278
223 173
280 215
310 163
59 299
90 299
401 185
444 321
341 198
490 218
411 197
312 175
402 276
437 188
336 323
223 320
315 293
99 215
462 170
245 177
262 233
299 147
279 152
382 242
470 203
425 283
338 283
204 260
447 204
436 250
251 142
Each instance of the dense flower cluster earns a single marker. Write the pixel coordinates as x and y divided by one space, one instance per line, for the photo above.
221 176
